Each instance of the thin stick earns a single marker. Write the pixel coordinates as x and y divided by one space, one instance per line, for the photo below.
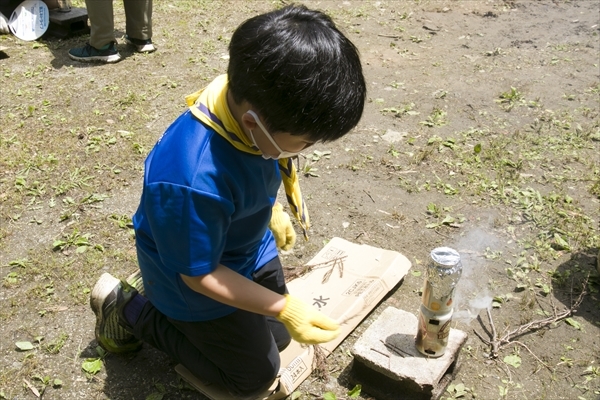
482 338
336 262
494 340
380 352
325 263
394 349
532 353
494 335
441 234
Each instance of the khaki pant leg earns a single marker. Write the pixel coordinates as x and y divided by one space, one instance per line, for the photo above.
102 23
138 16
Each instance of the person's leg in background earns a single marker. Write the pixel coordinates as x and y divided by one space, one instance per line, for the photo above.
138 17
102 45
102 22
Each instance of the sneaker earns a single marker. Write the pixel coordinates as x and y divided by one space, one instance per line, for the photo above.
141 46
88 53
136 281
108 299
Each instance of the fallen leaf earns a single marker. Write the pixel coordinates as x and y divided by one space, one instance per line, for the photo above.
24 346
513 360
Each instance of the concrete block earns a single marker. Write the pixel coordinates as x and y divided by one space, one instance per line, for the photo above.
66 24
388 365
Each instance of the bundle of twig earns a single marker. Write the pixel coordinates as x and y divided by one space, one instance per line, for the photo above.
319 364
331 264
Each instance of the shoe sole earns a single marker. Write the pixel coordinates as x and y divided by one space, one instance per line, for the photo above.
105 59
102 289
105 285
146 48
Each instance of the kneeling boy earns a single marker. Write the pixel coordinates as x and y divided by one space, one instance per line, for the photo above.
214 296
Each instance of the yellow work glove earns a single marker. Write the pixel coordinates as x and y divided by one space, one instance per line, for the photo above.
282 228
305 324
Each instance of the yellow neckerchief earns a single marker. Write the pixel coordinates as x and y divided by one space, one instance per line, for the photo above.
209 105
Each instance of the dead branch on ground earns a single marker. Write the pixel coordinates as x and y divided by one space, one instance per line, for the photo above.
497 342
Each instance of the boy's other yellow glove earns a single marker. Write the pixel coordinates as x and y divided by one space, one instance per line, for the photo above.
305 324
282 228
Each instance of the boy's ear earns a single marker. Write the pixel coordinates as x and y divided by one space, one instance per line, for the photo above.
248 121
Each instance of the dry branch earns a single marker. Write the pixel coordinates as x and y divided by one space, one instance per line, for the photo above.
319 364
331 264
496 342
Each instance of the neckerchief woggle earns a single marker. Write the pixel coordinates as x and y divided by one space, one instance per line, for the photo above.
209 105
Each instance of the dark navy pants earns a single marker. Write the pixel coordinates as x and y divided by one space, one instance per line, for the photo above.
239 351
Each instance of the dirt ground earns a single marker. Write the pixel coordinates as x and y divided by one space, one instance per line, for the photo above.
481 133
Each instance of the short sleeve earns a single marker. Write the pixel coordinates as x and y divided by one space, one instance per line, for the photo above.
189 226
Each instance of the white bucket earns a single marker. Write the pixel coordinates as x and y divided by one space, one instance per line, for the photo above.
30 20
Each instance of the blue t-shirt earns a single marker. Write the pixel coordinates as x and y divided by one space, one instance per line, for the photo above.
203 203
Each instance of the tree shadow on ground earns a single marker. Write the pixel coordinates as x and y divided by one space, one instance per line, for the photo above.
569 279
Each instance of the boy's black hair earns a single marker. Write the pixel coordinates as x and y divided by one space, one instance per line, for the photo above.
299 71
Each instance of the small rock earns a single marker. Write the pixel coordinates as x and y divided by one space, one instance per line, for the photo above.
393 136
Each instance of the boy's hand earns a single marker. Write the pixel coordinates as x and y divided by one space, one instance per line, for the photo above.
305 324
282 228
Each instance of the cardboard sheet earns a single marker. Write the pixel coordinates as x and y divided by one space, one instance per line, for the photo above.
346 282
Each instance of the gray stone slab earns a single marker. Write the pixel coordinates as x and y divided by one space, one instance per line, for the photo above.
67 24
75 14
386 354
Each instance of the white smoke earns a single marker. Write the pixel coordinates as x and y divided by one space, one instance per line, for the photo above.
472 295
472 309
